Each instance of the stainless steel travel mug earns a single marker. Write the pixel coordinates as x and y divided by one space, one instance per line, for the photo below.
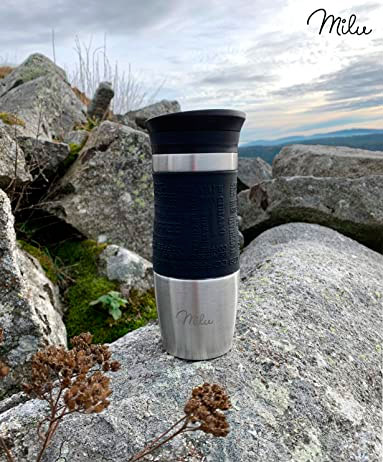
195 237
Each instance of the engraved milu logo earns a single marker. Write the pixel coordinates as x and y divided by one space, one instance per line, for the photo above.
193 320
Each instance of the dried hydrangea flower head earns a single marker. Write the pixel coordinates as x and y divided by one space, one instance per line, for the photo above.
205 406
203 411
71 381
77 370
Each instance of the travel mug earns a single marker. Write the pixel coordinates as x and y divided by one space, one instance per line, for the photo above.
195 236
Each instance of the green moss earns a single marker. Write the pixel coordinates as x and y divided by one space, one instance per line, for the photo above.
46 261
81 256
80 259
82 317
11 119
89 125
74 150
73 265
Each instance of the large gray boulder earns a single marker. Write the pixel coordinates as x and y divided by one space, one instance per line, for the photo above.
26 158
137 119
13 168
326 161
38 92
30 312
108 193
252 171
303 374
353 206
35 66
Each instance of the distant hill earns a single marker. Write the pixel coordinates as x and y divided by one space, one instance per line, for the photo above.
372 142
301 138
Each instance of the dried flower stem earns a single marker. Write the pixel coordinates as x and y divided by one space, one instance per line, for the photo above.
70 381
6 450
54 421
151 446
203 407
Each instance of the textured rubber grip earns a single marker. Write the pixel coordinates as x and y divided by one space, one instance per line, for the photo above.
195 225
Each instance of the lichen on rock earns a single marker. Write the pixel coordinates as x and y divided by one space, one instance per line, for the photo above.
107 194
30 310
300 391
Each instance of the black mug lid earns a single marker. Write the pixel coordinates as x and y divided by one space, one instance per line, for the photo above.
210 130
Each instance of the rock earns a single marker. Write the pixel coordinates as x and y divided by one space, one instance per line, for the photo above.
42 293
12 401
327 161
126 267
99 106
108 194
38 93
252 171
137 119
35 66
12 162
353 206
42 156
77 137
303 374
30 313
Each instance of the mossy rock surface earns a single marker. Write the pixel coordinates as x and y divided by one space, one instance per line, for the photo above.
302 392
74 150
35 66
74 266
46 261
11 119
80 261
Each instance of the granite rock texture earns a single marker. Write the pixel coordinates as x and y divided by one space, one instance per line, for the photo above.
13 168
43 157
304 374
327 161
39 94
77 137
108 193
137 119
353 206
99 106
30 311
127 268
252 171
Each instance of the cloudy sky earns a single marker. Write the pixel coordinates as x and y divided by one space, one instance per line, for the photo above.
259 56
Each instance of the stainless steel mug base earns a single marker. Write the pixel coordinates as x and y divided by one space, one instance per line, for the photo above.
197 317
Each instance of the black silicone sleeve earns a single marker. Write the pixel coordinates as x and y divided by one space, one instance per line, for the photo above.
195 225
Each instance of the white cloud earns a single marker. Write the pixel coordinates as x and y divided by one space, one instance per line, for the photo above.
247 54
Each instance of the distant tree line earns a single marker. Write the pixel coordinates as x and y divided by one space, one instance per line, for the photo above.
267 153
